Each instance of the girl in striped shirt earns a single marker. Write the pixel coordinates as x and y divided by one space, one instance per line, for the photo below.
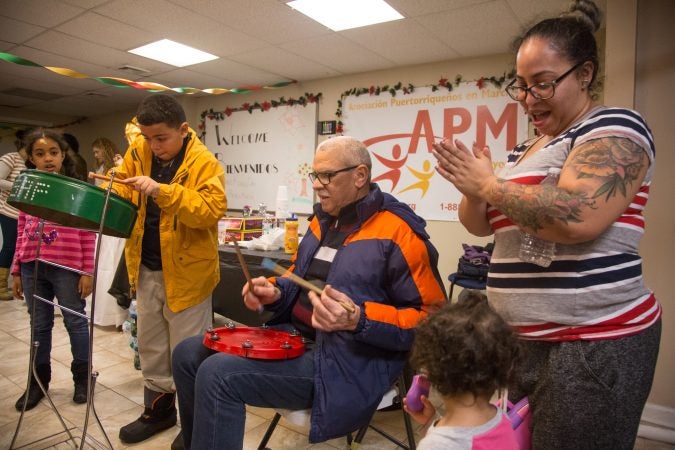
68 247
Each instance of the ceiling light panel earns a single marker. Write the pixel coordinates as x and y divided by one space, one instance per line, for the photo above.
174 53
346 14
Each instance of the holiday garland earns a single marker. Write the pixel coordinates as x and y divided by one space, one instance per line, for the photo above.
497 82
144 85
303 100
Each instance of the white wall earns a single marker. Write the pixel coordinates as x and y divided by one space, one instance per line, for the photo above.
655 99
111 127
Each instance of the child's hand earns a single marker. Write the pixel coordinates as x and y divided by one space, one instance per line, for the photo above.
143 184
17 287
423 416
85 286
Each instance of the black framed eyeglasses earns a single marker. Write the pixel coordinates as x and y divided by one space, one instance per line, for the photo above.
325 177
540 91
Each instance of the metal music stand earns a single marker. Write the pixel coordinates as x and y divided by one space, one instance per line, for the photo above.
68 433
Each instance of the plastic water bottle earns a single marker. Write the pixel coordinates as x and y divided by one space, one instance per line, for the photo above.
267 223
137 360
533 249
133 342
132 310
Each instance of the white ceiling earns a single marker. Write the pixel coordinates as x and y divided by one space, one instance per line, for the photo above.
260 42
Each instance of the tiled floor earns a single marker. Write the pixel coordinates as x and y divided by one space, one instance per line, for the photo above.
119 396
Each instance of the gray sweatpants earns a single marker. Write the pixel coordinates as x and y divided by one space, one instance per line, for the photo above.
588 394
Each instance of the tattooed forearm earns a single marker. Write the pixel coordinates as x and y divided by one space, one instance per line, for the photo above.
610 166
617 163
535 206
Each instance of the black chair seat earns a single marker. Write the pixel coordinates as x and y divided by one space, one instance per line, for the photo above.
465 282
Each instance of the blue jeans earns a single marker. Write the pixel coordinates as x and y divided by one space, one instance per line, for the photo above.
62 284
214 388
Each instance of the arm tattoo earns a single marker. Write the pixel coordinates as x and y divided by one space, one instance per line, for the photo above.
615 162
535 205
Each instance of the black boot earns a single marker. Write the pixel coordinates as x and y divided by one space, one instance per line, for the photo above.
159 414
35 394
80 379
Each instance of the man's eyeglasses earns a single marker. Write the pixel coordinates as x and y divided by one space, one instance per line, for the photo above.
325 177
540 91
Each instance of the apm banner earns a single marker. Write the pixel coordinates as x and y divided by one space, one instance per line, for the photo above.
400 131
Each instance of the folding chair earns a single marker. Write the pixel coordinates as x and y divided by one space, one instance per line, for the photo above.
465 282
301 418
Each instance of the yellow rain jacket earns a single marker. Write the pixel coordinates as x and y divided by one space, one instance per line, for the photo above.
190 205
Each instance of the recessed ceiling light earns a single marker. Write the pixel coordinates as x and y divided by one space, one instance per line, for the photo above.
170 52
346 14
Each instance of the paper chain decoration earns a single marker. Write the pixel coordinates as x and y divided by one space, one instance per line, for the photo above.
145 85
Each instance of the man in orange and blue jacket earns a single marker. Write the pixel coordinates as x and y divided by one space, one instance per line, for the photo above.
372 256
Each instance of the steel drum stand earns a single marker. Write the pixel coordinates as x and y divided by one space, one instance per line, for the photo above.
67 434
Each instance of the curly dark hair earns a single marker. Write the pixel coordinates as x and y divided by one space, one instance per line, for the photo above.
160 108
466 347
571 35
68 166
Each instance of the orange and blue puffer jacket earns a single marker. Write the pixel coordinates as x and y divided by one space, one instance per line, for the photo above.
388 267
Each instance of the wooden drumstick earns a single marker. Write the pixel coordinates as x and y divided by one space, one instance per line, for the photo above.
274 267
244 267
104 178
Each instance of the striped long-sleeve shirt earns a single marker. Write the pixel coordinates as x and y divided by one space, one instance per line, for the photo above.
11 165
592 290
70 247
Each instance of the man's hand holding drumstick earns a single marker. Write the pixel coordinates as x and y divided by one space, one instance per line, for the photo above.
330 313
258 292
332 310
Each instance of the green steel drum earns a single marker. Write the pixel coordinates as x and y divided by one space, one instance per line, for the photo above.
71 203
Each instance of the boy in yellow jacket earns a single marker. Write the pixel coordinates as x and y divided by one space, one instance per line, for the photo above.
172 253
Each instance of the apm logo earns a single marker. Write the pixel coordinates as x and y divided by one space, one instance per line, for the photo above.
396 155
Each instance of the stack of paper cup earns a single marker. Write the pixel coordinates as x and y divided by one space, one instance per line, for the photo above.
281 210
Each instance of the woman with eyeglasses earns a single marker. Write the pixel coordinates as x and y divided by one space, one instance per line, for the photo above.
590 325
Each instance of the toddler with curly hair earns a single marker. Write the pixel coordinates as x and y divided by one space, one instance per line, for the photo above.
467 352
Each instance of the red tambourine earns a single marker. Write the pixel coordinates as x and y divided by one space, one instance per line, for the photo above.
256 343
